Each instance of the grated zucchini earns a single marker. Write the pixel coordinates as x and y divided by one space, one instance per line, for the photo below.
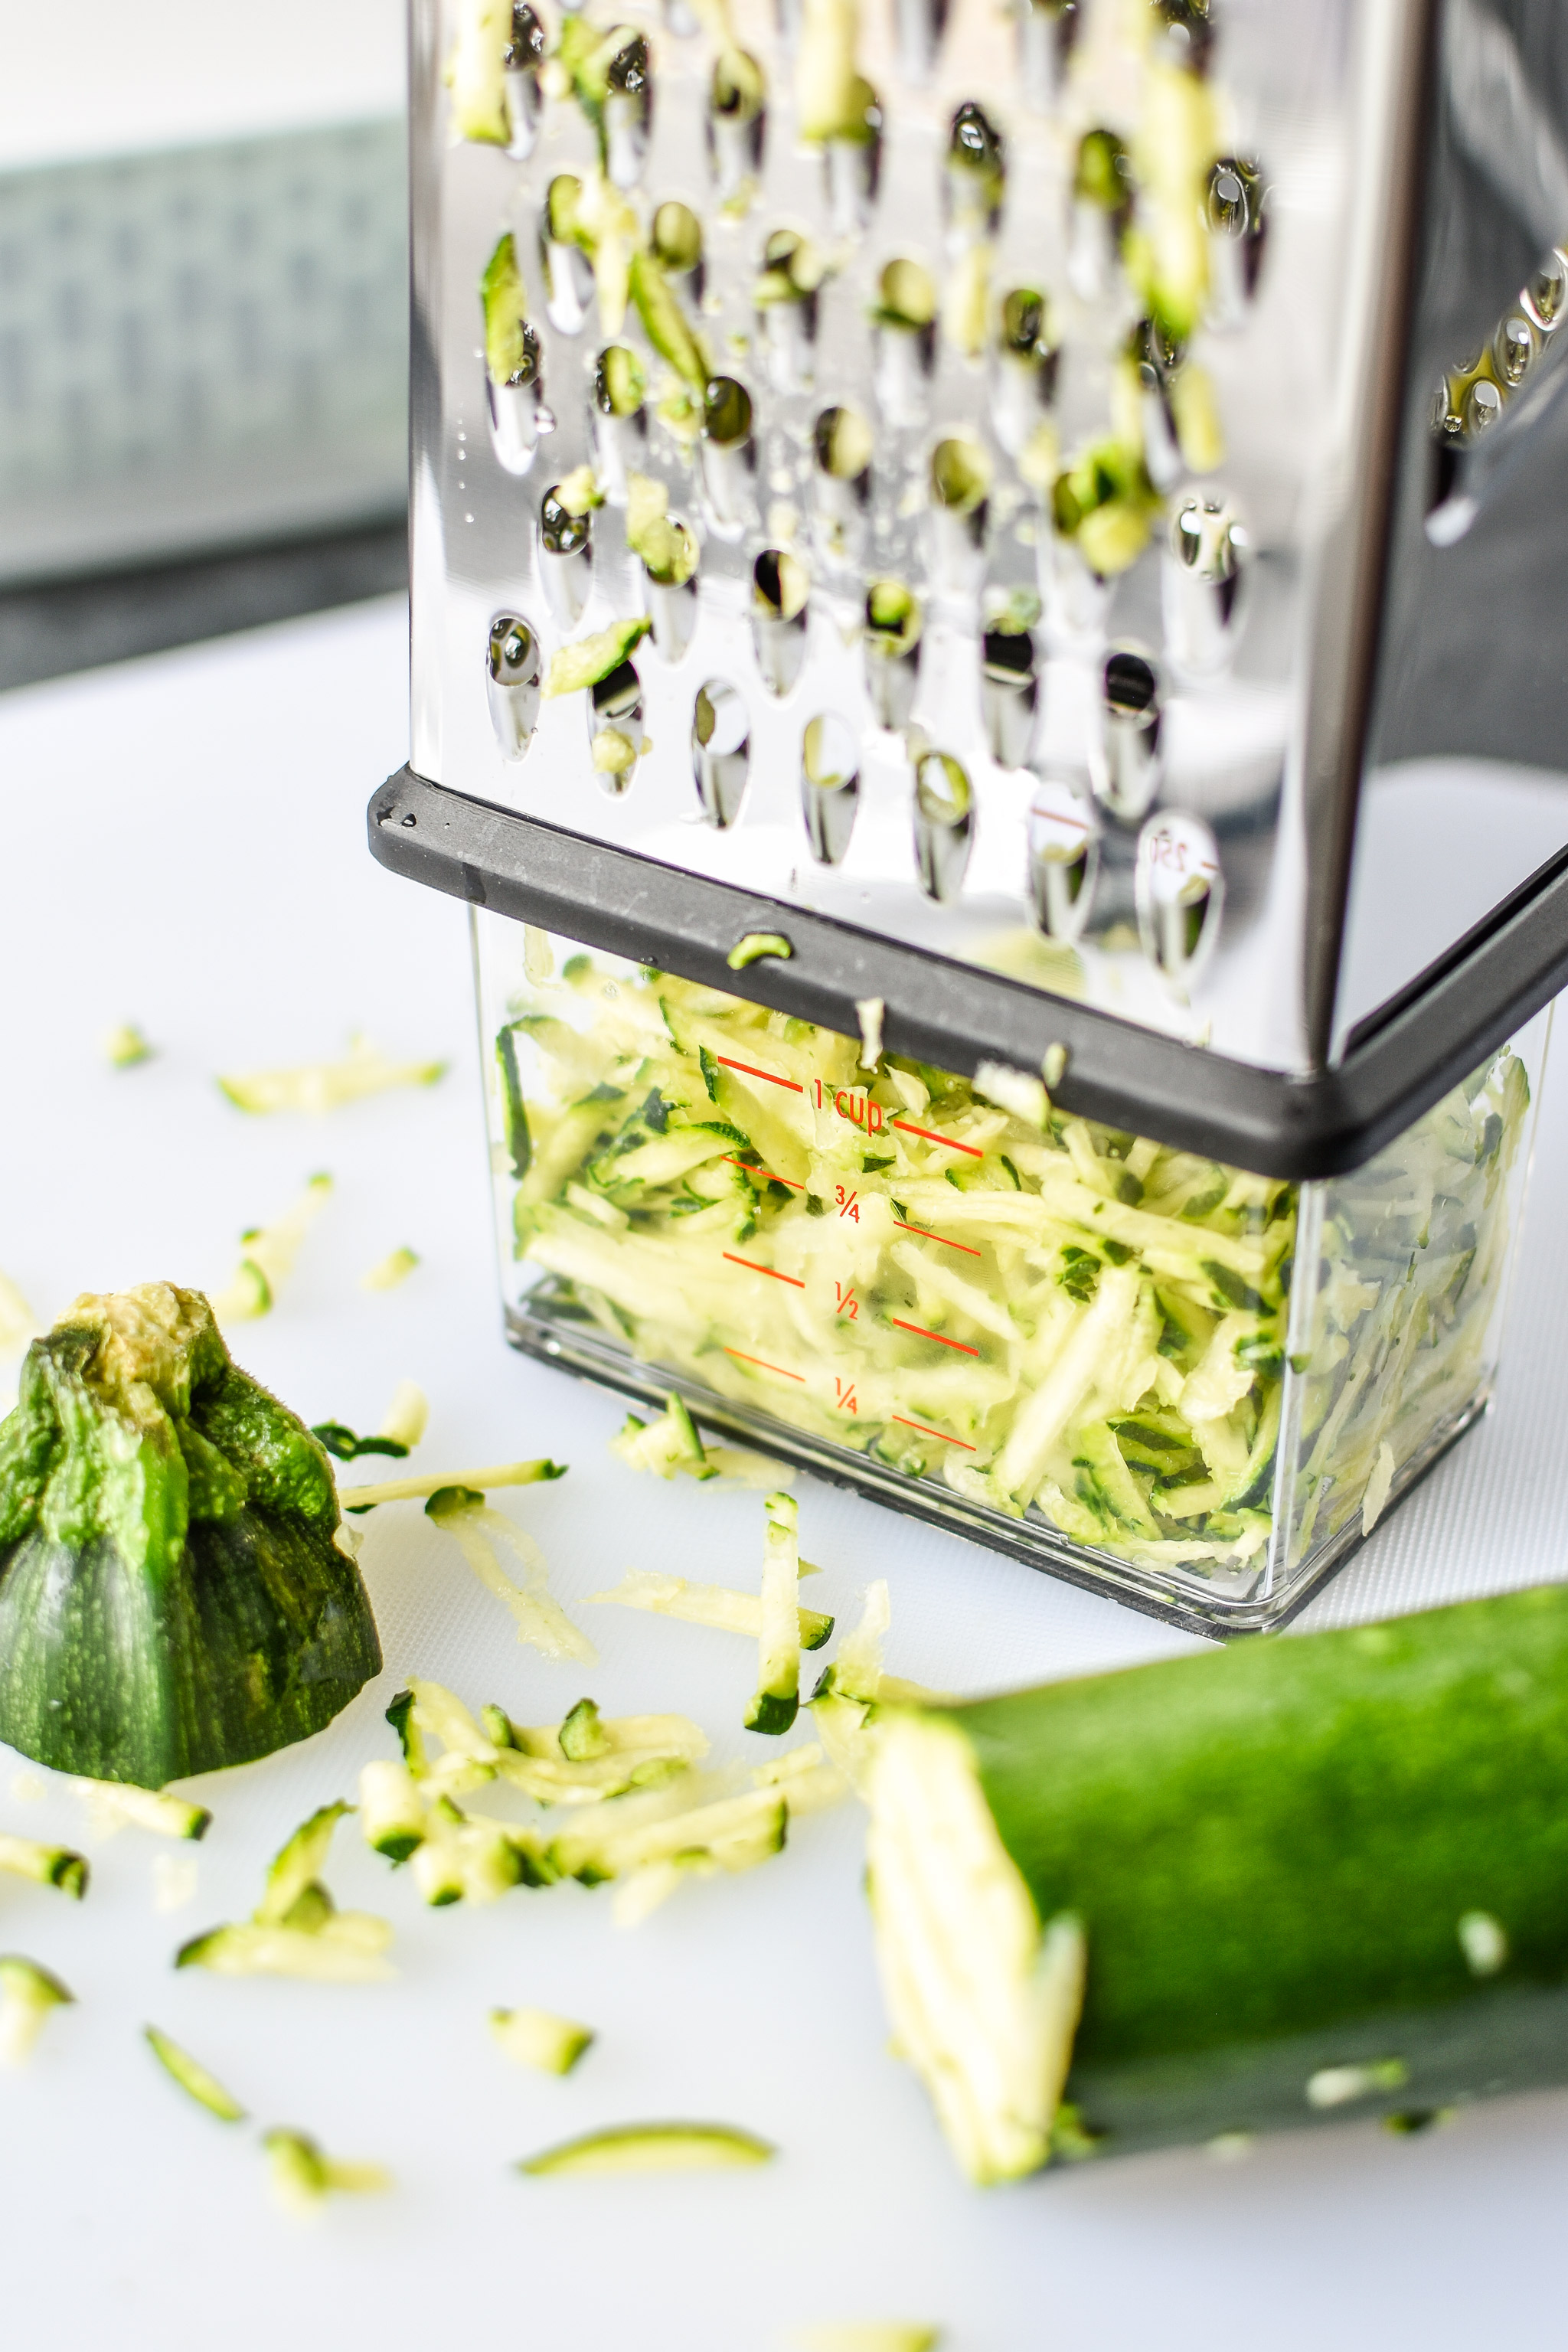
303 2176
193 2077
464 1515
46 1865
28 1994
112 1804
776 1699
535 2037
297 1930
420 1489
707 1604
651 2148
325 1085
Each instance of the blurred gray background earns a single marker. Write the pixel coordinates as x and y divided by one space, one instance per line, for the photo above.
203 321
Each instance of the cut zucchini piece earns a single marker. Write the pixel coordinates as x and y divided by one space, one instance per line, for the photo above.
47 1865
776 1699
464 1515
303 2176
476 72
582 1736
718 1605
479 1482
114 1803
27 1995
1366 1794
667 1446
326 1086
652 2147
535 2037
193 2077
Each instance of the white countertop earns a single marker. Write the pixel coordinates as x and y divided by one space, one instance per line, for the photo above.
184 847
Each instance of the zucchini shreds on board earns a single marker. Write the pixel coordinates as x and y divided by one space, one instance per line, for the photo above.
193 2077
535 2037
47 1865
718 1605
651 2148
297 1930
462 1513
539 1472
323 1085
114 1804
303 2176
27 1994
777 1700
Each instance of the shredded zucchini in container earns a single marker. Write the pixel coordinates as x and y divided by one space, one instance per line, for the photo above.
1063 1324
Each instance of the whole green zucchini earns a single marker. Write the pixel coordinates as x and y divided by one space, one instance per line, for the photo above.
174 1592
1237 1892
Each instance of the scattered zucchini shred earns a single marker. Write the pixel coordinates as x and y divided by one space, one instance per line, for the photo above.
19 1325
718 1605
125 1046
174 1597
534 2037
46 1865
193 2077
344 1445
113 1805
651 2148
269 1254
776 1699
476 72
867 2336
755 946
850 1691
422 1488
27 1995
591 659
462 1513
671 1447
303 2176
388 1272
297 1930
326 1086
406 1416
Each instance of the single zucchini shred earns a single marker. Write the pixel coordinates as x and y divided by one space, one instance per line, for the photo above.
303 2176
651 2148
535 2037
193 2077
28 1996
172 1598
297 1929
1059 1322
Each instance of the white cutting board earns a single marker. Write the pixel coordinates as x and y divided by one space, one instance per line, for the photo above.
183 846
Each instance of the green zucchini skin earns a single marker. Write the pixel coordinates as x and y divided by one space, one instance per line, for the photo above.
1271 1847
172 1598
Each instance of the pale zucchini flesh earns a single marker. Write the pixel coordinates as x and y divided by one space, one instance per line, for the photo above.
651 2148
193 2077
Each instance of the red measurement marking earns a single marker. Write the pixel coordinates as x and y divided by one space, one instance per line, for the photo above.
951 1141
762 1360
847 1200
927 1432
751 1071
848 1303
921 1333
751 1266
844 1395
768 1176
927 1235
